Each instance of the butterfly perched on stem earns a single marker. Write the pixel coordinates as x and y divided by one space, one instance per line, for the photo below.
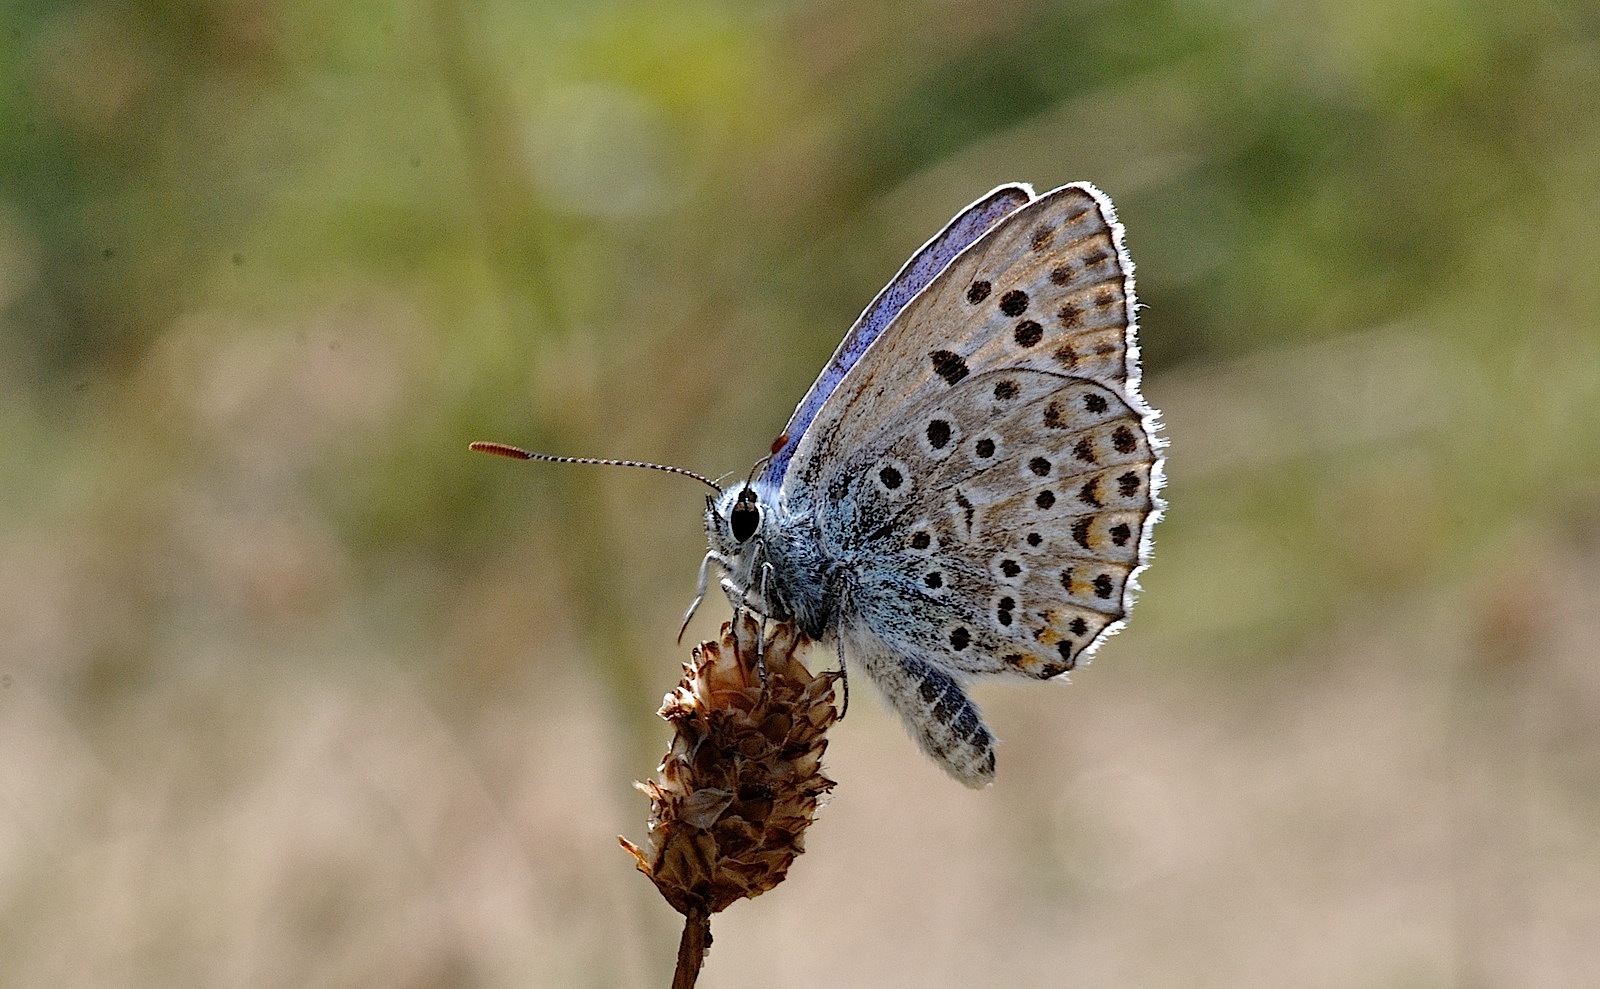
969 487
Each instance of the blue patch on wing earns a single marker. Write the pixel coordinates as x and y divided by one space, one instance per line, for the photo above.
936 255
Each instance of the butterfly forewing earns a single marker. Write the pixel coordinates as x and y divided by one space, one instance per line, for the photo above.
1048 288
932 258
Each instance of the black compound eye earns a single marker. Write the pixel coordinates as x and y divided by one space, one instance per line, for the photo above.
745 518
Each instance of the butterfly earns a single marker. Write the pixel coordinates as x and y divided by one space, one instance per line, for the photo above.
969 487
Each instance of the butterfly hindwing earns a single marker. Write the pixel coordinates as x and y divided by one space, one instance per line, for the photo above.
1001 531
930 701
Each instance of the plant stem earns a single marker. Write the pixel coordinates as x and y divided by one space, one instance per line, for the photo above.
692 948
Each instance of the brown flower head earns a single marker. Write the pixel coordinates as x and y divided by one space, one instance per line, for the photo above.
743 779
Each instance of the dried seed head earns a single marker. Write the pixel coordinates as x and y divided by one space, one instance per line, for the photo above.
743 778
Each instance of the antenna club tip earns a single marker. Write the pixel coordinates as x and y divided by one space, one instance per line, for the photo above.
500 449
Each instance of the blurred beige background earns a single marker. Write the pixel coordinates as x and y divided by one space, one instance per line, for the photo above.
296 692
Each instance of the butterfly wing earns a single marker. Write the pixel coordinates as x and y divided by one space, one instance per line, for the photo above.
932 258
1001 530
1049 288
1019 358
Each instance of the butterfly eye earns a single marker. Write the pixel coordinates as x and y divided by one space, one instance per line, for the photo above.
745 518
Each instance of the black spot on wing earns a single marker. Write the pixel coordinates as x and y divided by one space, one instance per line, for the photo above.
1089 494
1080 531
967 509
949 366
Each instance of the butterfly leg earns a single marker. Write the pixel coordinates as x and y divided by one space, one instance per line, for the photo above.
936 711
761 649
844 682
699 594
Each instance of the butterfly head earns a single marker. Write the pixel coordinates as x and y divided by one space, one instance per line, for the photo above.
742 527
744 519
734 520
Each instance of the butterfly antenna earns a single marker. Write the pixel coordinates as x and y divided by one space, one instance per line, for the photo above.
764 461
517 453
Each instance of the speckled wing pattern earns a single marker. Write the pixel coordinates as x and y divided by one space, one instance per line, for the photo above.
1016 550
989 471
930 259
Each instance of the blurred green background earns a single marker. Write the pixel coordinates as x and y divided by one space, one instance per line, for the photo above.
296 692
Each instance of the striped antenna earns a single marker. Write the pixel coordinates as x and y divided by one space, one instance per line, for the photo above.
517 453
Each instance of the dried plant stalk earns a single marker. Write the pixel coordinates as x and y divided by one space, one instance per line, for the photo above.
742 780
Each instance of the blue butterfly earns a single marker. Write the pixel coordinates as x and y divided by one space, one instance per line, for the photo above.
970 485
